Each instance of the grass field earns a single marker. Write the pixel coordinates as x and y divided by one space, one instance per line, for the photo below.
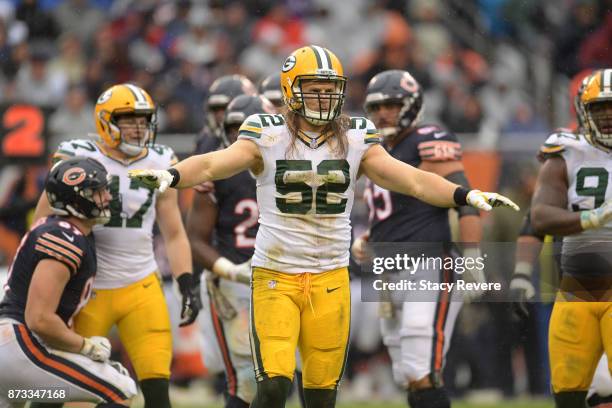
458 404
201 397
206 400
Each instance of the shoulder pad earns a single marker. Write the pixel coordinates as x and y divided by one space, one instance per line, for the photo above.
371 134
557 143
72 148
269 120
62 244
436 144
163 151
433 132
251 127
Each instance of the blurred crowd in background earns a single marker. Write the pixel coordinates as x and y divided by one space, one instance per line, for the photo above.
497 72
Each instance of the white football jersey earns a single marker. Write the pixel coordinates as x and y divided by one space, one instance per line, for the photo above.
588 174
305 195
125 244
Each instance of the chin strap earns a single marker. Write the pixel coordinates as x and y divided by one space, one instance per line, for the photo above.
130 150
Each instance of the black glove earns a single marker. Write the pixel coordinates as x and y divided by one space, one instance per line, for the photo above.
522 293
197 290
190 304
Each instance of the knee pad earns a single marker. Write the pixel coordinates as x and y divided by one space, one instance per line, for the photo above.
570 399
155 392
429 398
272 393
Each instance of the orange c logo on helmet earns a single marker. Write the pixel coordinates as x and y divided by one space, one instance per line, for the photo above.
74 176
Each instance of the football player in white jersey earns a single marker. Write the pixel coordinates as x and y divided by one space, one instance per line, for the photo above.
306 162
127 291
572 199
221 227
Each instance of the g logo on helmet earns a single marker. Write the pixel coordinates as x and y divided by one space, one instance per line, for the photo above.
74 176
105 96
289 63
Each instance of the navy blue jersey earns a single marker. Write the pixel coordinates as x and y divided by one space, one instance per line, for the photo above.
237 220
206 142
51 238
396 217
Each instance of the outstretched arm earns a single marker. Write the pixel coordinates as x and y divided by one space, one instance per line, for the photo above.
392 174
220 164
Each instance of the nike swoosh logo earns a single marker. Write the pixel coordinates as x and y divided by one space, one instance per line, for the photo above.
146 285
69 237
438 135
331 290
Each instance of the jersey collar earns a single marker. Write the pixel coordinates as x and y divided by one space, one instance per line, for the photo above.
313 142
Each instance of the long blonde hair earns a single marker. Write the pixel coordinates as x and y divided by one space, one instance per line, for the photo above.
337 127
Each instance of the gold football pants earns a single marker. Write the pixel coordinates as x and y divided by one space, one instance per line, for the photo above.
579 333
311 311
141 315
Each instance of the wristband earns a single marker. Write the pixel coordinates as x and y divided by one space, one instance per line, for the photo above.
176 176
460 196
224 267
523 268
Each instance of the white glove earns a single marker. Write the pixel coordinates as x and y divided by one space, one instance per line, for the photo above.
359 250
234 272
596 218
159 179
97 348
486 201
473 274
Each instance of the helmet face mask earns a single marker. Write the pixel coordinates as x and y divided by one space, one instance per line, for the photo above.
119 101
385 116
321 100
78 187
313 84
596 106
136 130
395 87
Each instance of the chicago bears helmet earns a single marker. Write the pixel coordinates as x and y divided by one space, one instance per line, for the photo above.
396 86
72 185
241 108
221 93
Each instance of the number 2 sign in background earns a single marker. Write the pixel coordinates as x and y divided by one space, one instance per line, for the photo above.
23 132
